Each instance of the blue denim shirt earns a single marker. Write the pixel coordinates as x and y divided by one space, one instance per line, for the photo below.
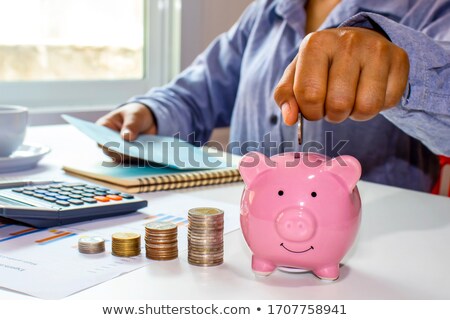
232 83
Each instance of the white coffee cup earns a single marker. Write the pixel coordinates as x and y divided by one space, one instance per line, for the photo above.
13 126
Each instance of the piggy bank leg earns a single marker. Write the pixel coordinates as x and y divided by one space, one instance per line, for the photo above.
262 267
328 273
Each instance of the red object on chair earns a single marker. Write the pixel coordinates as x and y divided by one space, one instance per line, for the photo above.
442 187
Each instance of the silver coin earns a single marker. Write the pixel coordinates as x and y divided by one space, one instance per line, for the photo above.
208 212
91 245
86 240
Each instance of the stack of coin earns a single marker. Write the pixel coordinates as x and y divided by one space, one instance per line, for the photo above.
205 237
91 245
161 241
126 244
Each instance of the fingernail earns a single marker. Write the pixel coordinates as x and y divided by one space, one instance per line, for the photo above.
285 109
126 133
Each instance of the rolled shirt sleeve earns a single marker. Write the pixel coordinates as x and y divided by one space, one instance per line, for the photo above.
425 114
202 96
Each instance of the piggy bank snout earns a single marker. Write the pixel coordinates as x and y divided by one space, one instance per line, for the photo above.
295 225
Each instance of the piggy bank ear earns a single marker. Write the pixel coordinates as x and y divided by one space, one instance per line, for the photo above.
252 165
347 168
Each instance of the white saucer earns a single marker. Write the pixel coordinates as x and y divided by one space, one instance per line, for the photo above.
24 158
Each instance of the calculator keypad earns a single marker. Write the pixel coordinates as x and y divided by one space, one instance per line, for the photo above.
73 194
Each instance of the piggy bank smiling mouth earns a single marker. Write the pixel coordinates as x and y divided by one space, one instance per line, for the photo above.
282 245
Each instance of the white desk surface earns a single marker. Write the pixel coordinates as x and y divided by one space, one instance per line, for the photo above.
402 251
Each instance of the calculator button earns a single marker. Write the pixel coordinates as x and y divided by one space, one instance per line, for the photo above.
56 186
43 187
18 190
113 192
75 196
66 189
53 190
29 188
101 199
28 193
75 201
62 197
126 196
102 189
65 193
78 191
79 188
114 197
89 190
73 185
50 199
63 203
38 195
102 194
88 195
51 194
89 200
41 191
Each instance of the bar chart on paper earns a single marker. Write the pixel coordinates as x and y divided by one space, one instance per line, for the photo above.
46 263
11 232
56 235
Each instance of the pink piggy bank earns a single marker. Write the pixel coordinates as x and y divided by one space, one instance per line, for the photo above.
300 210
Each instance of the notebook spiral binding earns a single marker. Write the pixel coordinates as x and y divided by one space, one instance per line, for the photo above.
188 180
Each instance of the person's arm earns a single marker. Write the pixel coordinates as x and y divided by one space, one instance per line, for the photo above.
426 113
365 66
202 97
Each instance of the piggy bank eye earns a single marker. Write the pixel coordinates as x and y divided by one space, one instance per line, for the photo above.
280 193
313 194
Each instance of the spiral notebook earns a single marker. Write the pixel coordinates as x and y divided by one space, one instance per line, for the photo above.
149 179
170 163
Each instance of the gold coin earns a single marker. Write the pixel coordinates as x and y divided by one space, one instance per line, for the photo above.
124 236
126 244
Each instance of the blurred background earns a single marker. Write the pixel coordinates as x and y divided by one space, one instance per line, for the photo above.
71 40
87 56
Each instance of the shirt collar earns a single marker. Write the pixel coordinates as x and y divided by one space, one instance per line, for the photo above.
397 8
389 8
294 13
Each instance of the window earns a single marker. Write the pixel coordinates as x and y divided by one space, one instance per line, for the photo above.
71 40
85 52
